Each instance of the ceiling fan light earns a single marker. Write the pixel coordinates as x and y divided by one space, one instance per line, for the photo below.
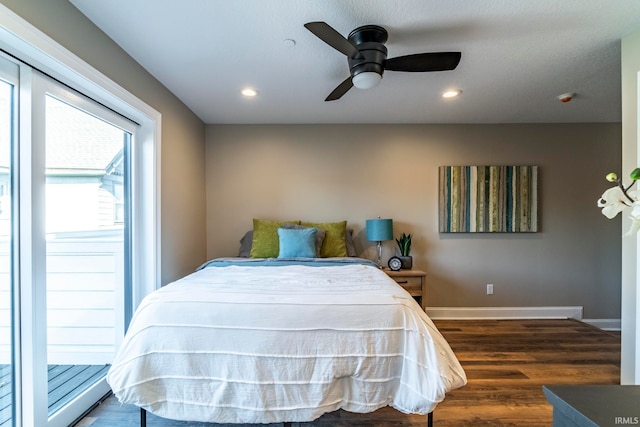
366 80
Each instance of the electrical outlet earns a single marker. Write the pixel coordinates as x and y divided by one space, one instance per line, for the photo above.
489 289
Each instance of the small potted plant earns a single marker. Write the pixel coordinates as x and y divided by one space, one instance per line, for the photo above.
404 244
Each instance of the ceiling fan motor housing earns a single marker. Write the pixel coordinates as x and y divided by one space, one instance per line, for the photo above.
369 40
367 56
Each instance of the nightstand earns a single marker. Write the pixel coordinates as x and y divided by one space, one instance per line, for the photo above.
413 281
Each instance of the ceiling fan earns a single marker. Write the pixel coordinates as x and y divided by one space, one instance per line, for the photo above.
367 56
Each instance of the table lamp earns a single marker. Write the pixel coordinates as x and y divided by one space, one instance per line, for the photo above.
379 230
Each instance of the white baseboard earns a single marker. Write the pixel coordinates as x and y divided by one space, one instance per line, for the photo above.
605 324
470 313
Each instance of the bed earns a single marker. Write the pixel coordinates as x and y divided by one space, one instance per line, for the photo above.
286 339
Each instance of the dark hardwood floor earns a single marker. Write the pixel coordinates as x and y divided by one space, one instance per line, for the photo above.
506 361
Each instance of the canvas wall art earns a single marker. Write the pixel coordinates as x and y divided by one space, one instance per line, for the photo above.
488 199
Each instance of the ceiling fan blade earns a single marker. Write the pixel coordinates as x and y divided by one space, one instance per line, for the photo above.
327 34
434 61
340 90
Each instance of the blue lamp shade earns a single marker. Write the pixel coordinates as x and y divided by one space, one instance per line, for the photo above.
379 229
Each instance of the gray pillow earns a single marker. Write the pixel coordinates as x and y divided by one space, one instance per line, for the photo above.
245 244
348 240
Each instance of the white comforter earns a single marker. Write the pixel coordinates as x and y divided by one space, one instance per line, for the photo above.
272 344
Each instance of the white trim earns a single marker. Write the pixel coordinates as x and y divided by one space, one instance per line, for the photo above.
87 399
27 42
630 306
511 313
31 266
467 313
605 324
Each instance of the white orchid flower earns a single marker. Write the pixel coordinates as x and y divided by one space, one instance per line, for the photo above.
613 201
635 219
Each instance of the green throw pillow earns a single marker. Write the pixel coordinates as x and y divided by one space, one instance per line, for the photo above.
265 242
334 244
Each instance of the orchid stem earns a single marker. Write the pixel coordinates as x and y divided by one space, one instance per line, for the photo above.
624 190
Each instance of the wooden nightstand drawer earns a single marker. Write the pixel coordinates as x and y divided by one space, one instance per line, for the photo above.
413 285
412 281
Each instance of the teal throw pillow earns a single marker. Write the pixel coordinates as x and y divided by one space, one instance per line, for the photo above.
297 243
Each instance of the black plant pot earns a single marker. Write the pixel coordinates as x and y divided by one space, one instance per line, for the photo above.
407 262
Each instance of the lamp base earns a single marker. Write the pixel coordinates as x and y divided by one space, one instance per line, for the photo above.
379 260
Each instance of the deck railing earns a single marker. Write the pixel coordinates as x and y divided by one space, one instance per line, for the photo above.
85 294
85 313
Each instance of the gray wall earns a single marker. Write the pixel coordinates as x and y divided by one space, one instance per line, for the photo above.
355 172
183 133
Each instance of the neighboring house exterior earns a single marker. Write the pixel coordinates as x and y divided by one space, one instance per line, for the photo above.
84 223
84 173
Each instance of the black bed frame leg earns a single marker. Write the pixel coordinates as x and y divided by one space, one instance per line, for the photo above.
430 419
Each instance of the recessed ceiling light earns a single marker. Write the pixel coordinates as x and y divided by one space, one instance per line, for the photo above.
451 93
566 97
289 42
249 92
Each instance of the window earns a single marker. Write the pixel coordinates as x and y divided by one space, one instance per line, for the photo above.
86 267
88 224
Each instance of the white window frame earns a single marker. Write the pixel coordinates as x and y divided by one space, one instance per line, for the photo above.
24 41
10 73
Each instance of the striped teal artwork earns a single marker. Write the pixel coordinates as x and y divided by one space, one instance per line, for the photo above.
488 199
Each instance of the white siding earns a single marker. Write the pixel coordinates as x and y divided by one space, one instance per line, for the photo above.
85 289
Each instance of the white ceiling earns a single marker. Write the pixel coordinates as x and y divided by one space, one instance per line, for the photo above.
517 57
